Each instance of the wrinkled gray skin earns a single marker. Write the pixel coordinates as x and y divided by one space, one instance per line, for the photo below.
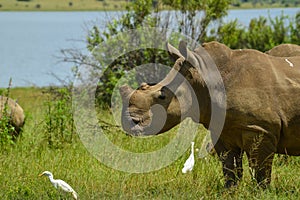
262 105
15 112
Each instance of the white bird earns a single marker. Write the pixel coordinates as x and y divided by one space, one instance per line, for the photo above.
60 184
190 162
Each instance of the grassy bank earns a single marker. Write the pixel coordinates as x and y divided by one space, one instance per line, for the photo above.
21 164
90 5
61 5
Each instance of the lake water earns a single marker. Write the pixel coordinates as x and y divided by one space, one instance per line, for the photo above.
30 41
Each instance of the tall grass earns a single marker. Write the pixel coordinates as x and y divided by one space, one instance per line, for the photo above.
31 155
6 129
59 124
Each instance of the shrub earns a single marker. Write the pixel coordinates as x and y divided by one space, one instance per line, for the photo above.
6 128
59 124
295 27
139 15
262 33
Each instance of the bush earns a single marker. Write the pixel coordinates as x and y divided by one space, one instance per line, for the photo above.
6 128
139 15
295 27
59 124
262 33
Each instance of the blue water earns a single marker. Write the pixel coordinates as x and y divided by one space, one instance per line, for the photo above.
30 42
244 16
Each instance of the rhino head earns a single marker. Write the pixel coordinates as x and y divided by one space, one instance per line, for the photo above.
154 109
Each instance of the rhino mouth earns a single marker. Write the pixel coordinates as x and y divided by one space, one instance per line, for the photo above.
142 125
133 124
137 126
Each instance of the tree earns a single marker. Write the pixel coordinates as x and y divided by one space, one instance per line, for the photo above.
141 13
262 33
197 15
295 27
194 19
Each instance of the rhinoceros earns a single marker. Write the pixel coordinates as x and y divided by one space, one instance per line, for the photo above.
285 50
15 113
262 105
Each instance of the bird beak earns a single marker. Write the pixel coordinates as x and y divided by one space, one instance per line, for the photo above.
40 174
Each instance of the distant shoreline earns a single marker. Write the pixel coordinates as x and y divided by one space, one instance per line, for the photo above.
100 5
61 5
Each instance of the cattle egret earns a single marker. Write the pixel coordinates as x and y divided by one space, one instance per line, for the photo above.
60 184
189 163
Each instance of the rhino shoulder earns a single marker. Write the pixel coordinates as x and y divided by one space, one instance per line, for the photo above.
217 50
220 53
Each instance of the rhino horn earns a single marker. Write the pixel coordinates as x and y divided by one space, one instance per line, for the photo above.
125 91
173 52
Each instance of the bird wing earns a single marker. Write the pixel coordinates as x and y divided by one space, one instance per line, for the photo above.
190 161
64 186
189 164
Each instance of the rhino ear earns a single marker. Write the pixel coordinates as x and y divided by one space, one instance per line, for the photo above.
125 91
183 48
187 54
173 52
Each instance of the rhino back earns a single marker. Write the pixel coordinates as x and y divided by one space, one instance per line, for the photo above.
14 110
264 81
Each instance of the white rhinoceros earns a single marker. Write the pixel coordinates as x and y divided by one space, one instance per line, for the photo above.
262 105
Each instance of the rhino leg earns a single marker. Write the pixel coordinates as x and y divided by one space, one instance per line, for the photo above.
239 165
232 165
260 155
261 169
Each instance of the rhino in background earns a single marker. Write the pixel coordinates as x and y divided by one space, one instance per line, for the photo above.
262 112
15 113
285 50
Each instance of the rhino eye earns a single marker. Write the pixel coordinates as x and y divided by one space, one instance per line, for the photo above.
162 96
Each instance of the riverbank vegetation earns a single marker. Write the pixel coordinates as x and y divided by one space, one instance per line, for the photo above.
69 160
92 5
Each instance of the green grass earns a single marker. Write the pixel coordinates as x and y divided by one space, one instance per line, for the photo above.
22 163
62 5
